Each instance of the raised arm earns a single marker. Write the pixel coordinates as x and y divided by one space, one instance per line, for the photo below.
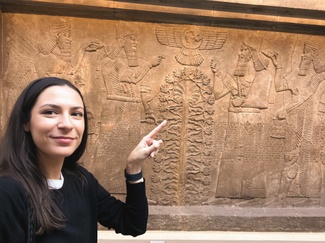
147 148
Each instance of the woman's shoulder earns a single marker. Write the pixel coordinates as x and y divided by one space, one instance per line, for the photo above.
85 171
11 188
9 183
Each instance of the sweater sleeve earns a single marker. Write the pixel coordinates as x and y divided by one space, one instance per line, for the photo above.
13 211
129 217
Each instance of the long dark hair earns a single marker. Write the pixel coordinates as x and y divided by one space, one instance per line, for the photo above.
18 157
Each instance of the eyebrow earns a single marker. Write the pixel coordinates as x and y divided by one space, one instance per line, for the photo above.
58 107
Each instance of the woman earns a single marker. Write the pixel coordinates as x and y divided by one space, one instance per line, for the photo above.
45 196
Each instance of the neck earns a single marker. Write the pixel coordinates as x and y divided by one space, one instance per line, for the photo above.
54 175
51 167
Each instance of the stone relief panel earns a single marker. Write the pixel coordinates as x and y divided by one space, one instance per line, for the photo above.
245 109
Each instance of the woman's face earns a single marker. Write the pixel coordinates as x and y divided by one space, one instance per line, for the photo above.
57 123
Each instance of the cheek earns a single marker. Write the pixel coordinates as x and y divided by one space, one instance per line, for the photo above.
39 139
41 127
36 124
38 134
80 128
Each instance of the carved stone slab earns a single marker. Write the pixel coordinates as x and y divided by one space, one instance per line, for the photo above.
245 111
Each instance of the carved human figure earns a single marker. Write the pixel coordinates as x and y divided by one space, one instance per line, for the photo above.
55 56
239 169
306 100
289 172
121 73
286 177
310 64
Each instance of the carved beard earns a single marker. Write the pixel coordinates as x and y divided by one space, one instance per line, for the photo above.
132 58
63 53
304 66
318 66
259 63
66 52
241 67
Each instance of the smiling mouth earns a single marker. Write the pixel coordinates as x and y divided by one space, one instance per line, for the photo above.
63 140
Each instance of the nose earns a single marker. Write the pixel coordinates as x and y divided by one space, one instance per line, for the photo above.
65 122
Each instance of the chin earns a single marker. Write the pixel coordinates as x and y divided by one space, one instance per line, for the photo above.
65 154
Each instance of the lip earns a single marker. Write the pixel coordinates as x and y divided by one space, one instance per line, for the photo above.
63 140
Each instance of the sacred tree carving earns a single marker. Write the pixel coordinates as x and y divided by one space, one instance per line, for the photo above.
182 171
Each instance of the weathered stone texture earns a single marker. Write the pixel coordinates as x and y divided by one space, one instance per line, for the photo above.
245 111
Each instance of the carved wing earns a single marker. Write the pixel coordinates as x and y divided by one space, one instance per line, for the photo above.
169 36
213 40
19 55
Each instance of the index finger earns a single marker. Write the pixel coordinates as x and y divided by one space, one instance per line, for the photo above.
157 129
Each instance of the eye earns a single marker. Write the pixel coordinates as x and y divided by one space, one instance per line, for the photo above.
77 114
49 112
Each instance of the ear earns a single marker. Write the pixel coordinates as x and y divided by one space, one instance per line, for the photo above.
26 127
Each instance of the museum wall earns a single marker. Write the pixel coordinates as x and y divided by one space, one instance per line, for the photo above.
245 105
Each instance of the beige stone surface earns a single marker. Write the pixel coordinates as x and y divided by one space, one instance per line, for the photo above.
212 237
244 101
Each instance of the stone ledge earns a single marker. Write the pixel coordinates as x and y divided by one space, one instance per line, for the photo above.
275 17
209 237
216 218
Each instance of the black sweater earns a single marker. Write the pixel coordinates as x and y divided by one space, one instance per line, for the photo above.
83 207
